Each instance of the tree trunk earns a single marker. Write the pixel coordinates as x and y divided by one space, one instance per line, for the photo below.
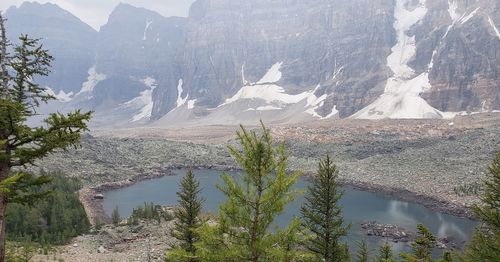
3 59
4 172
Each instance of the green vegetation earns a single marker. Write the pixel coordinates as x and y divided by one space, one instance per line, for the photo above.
362 255
241 231
115 216
473 189
260 193
322 215
422 246
51 220
485 245
148 212
21 144
23 252
188 216
385 254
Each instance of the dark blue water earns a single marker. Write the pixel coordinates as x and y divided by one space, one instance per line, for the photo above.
358 206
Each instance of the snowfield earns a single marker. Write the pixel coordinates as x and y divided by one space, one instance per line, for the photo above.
275 95
401 98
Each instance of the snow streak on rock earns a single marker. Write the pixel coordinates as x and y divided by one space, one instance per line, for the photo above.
181 101
275 96
401 98
494 27
464 19
191 103
148 24
264 108
144 102
273 75
452 10
92 80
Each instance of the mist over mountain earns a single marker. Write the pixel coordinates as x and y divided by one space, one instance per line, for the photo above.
235 61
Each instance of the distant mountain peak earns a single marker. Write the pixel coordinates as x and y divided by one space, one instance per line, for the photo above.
45 11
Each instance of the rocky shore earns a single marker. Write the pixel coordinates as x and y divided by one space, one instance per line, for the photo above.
396 233
420 161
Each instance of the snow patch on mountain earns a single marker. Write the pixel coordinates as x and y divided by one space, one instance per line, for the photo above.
337 72
452 10
401 98
148 24
264 108
275 96
144 102
494 27
269 93
313 112
61 96
313 102
272 75
191 103
181 101
92 80
243 79
464 19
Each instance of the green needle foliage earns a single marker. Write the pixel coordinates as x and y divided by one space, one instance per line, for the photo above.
362 255
485 244
187 219
115 216
322 215
385 254
254 199
53 219
20 96
422 246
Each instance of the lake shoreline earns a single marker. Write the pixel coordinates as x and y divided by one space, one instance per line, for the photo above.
95 209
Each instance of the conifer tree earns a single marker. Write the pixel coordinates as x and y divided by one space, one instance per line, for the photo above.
20 96
485 244
362 255
187 217
385 254
322 214
115 216
254 200
422 246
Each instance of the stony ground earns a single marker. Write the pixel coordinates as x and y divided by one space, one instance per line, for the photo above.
428 158
423 158
147 241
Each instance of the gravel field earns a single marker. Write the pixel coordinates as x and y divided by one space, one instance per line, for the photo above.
423 160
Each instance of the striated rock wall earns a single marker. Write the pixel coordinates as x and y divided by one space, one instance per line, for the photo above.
345 58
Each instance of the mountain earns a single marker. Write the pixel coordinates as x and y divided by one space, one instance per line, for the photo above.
236 61
70 41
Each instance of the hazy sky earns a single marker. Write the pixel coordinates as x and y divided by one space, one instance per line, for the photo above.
95 12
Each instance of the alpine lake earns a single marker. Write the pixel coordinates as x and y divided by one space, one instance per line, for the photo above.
358 207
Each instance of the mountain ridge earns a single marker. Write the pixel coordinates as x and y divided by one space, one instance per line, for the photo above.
357 59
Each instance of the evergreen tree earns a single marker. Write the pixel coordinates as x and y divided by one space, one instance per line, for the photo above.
54 219
447 257
115 216
422 246
188 215
485 244
254 199
362 255
20 144
322 214
385 254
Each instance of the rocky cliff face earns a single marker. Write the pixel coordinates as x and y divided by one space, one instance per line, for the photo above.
235 61
69 40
